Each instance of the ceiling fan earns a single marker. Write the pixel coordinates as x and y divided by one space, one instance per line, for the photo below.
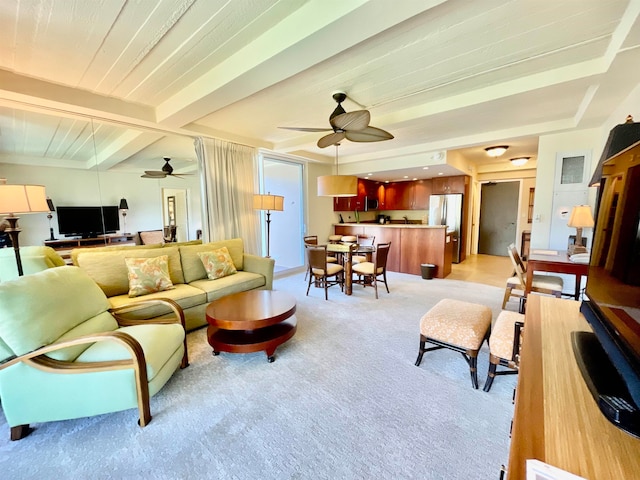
353 126
167 171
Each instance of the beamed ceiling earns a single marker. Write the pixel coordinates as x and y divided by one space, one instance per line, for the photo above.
124 83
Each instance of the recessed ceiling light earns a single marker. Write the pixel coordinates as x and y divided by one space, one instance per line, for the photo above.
415 178
406 176
425 168
386 181
440 173
369 174
496 151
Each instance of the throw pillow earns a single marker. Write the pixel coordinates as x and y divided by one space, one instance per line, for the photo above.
148 275
217 263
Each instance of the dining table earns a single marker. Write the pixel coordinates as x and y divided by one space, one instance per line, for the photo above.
346 251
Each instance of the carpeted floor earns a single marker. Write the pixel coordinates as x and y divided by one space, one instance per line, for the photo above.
343 400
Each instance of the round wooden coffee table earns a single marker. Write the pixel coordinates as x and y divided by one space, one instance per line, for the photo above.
251 321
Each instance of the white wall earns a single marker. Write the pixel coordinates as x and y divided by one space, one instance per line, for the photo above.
73 187
320 216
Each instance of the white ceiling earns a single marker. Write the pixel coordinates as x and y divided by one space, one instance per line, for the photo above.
441 76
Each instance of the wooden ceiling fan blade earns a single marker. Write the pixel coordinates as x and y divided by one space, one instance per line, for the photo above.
357 120
331 139
307 129
146 175
369 134
155 173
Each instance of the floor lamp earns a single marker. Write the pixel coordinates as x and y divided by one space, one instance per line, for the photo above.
268 202
15 199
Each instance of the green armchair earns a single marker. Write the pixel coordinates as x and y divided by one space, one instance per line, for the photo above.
34 259
65 354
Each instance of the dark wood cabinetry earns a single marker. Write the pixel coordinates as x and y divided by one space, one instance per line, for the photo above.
444 185
366 188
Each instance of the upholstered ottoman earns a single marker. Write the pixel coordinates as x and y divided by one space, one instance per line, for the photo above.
459 326
504 345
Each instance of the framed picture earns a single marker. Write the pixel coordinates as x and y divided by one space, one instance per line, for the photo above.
171 210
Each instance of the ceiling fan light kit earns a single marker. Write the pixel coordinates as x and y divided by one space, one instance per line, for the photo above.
496 151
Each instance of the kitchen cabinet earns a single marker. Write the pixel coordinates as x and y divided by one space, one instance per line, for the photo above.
366 188
444 185
421 192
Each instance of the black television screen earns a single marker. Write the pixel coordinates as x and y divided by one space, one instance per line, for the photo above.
87 221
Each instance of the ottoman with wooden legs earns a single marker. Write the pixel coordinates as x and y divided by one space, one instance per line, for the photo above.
504 345
458 326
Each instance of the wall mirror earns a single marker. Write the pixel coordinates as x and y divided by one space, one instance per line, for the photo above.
83 161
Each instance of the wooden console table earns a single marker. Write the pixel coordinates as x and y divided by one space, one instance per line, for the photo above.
65 245
556 419
557 263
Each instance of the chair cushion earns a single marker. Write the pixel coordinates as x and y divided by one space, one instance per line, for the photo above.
547 282
217 263
151 237
366 268
332 259
157 341
335 238
55 301
501 340
349 239
358 259
457 323
148 275
332 269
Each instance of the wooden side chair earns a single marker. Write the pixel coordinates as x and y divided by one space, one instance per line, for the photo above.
369 273
548 284
365 241
504 345
313 240
323 273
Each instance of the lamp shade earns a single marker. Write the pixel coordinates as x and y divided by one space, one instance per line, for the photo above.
22 199
268 202
620 137
123 204
581 217
337 186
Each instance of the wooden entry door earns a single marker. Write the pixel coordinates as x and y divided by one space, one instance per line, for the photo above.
498 217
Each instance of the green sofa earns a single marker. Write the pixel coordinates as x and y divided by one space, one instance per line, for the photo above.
193 290
64 353
34 259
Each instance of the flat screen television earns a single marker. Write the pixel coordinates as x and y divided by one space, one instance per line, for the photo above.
609 358
87 222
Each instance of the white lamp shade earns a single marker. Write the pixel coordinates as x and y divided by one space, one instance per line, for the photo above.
16 199
581 217
268 202
337 186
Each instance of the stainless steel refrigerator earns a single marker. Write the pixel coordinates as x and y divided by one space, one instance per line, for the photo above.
447 210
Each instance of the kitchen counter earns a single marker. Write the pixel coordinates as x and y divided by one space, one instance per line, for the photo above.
388 225
411 244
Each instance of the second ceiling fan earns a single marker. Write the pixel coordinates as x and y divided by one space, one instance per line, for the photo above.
353 126
167 171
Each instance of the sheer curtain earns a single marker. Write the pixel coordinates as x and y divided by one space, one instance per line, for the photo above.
228 183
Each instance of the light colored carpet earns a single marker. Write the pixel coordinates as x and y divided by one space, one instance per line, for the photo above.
343 400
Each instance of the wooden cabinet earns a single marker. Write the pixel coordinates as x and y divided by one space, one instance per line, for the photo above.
366 188
444 185
422 190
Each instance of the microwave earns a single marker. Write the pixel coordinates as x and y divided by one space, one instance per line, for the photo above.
370 203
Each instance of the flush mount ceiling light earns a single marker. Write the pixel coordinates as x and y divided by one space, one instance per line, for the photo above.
518 162
496 151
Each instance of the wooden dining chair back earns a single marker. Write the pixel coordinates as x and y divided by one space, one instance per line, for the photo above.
548 284
313 240
370 273
322 273
364 241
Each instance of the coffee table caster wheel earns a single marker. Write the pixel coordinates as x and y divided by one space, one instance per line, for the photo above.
215 354
271 359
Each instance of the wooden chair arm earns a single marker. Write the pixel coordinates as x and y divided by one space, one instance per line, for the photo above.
38 359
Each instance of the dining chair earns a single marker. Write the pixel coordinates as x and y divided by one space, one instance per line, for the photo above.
548 284
364 241
313 240
369 273
322 273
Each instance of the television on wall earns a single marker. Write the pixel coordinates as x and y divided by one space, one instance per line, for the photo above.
609 358
87 222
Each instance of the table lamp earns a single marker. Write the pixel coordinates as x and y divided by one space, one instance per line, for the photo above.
580 218
124 208
50 216
15 199
268 202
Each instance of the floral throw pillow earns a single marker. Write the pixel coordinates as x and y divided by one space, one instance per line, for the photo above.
217 263
148 275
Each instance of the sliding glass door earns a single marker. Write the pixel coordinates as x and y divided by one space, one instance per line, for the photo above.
284 177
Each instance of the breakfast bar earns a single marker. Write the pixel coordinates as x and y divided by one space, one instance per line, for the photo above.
411 244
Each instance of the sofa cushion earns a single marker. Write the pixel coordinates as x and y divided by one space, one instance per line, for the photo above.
185 295
239 282
79 251
192 267
54 301
109 271
217 263
148 275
